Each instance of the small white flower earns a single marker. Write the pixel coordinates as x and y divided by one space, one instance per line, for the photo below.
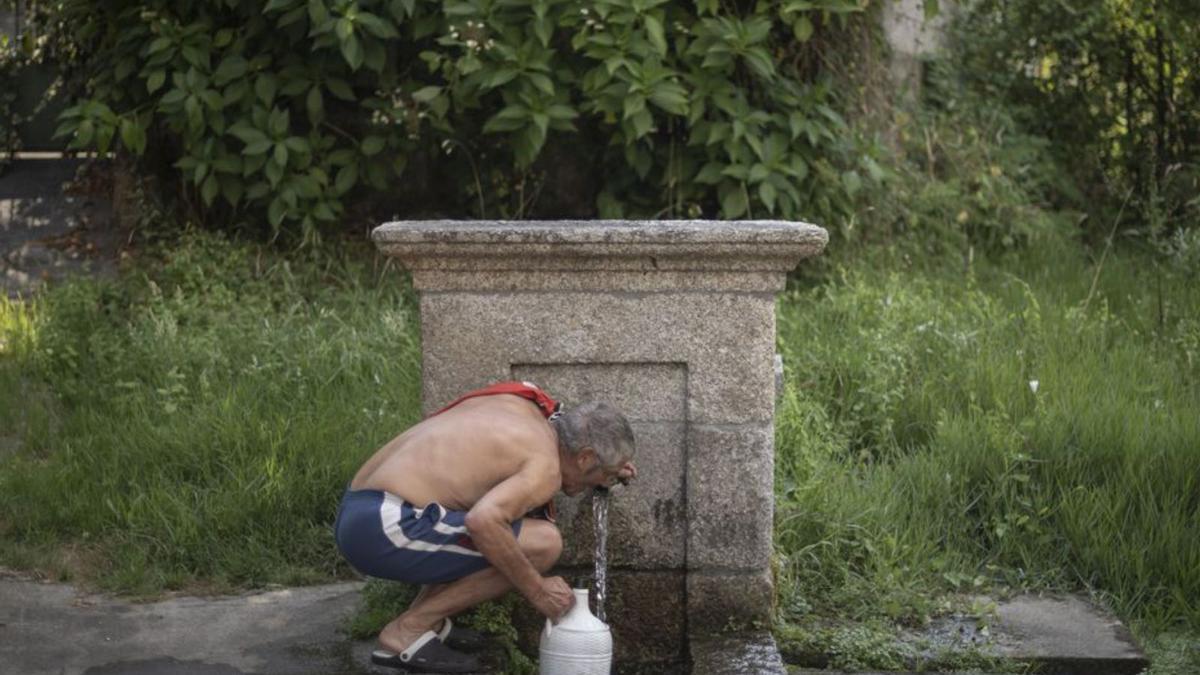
584 11
472 44
1033 386
1032 42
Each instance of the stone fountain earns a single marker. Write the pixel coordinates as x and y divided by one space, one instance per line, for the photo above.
674 323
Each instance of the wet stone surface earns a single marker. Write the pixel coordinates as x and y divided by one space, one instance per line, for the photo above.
1063 635
741 654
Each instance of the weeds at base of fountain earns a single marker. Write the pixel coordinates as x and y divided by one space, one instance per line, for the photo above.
825 643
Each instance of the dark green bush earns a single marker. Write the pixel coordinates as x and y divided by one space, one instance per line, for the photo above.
292 108
1113 85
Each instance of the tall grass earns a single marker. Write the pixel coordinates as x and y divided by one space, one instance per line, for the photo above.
194 423
992 429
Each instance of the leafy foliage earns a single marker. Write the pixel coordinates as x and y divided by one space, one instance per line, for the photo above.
1113 84
290 107
965 179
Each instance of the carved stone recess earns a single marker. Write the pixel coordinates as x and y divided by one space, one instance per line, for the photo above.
673 322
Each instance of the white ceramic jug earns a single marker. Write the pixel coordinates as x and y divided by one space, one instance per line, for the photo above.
579 644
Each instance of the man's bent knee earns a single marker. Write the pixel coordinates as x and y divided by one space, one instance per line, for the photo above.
541 543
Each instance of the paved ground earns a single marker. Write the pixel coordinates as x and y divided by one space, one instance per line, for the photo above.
50 629
54 629
1066 635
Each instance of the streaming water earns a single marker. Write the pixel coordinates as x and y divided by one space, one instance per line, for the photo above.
600 525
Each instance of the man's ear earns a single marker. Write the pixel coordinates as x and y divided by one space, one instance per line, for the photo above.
586 459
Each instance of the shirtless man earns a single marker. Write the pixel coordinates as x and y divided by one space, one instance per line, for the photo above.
446 505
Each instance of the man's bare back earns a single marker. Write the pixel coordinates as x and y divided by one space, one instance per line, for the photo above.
458 456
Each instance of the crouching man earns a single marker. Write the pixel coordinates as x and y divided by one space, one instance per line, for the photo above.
461 504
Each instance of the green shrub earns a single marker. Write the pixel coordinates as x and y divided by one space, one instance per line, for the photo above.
287 108
1113 84
960 178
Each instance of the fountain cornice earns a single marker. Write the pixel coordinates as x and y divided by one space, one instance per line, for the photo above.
633 255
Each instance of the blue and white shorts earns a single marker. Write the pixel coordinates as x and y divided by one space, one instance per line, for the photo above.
381 535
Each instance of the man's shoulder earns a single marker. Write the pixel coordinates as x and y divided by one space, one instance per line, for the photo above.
532 438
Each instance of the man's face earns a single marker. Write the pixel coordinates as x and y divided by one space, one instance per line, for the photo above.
589 474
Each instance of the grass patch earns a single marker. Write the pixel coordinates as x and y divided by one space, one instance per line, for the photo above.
916 457
1173 654
192 424
875 645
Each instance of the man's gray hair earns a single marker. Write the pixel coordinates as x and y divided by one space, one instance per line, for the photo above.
599 426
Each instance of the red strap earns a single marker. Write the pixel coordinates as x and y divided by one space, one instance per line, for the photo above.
526 390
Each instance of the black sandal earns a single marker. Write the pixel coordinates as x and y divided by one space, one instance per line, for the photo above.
465 639
427 655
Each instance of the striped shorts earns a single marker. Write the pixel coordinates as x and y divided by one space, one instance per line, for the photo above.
381 535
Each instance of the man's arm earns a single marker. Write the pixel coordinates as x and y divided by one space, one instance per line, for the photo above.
489 524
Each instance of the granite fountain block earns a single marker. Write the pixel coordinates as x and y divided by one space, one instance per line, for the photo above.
674 323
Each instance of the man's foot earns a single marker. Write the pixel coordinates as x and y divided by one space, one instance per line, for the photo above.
458 637
427 655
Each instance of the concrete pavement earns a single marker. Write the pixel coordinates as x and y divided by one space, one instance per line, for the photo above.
53 629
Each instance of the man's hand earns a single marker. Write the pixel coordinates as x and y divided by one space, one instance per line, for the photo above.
553 598
626 473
